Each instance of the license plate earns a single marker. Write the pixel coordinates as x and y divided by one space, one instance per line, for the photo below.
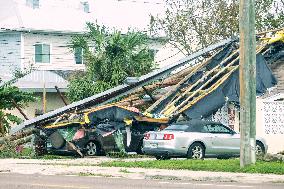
159 136
153 145
152 136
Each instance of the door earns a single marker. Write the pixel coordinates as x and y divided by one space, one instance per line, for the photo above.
224 140
106 131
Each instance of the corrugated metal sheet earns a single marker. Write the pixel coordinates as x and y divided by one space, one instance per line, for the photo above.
36 80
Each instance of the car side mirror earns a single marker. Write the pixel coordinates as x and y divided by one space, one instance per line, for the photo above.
232 132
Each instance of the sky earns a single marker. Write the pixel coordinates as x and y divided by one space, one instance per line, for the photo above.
127 13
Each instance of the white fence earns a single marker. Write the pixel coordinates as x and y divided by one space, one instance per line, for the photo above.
273 116
270 123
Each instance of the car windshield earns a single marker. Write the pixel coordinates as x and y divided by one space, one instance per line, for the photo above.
177 127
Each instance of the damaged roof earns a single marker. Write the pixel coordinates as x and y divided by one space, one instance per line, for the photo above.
200 90
118 91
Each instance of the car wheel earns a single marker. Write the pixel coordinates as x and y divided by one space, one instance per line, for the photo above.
92 149
259 149
196 151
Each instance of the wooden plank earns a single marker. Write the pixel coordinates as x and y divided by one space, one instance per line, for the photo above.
198 82
174 89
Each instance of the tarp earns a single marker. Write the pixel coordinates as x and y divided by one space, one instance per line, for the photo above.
215 60
111 114
230 91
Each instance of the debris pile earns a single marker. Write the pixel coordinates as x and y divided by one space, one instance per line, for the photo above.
194 87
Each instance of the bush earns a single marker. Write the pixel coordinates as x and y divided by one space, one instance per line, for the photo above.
10 150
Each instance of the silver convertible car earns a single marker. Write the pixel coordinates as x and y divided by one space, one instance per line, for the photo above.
196 139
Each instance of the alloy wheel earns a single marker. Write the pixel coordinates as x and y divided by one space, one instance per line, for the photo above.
91 149
259 150
196 152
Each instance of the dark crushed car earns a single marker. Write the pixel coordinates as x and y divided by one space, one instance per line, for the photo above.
112 136
107 129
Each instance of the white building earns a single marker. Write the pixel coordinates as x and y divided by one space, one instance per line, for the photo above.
37 34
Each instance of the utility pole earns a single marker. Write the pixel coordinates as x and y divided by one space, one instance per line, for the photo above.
247 82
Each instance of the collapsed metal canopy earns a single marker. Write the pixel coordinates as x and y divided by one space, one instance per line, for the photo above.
118 91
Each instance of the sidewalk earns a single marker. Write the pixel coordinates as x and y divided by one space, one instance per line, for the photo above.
88 167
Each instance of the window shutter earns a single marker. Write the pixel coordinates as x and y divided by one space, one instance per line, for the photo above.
45 53
38 53
78 55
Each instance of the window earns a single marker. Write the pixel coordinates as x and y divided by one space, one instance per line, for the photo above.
197 128
42 53
216 129
33 3
85 7
154 51
78 53
177 127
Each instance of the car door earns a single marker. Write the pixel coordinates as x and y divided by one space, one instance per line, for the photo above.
224 140
106 132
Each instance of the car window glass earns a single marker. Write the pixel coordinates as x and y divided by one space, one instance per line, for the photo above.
214 128
222 129
177 127
209 128
196 128
205 129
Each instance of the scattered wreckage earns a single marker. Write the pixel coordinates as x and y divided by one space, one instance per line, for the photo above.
189 89
104 129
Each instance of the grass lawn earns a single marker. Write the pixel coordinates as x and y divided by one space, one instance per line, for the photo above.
230 165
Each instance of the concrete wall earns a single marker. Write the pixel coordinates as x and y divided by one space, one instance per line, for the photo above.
10 53
270 123
62 57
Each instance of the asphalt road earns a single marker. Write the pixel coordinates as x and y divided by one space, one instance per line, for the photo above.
19 181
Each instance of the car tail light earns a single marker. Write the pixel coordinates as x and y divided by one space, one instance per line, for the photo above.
147 136
169 136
